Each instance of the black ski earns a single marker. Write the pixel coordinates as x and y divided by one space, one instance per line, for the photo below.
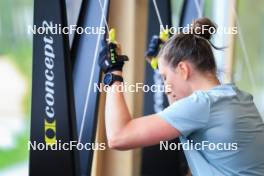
173 162
53 116
86 73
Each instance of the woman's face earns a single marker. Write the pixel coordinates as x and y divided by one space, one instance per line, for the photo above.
176 79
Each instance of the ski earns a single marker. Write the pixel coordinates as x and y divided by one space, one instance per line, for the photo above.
173 162
52 116
86 74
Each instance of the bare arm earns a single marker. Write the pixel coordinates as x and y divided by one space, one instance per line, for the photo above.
123 132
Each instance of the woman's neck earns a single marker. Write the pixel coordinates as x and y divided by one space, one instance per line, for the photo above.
205 82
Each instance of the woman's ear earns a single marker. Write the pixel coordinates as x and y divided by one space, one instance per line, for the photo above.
184 70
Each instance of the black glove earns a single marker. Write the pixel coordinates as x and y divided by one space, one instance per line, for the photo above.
153 47
109 60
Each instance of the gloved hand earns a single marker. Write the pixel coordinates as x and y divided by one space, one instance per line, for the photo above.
109 60
154 46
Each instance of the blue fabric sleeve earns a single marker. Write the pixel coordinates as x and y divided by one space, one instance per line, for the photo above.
188 114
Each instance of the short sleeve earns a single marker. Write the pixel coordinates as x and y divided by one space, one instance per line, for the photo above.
188 114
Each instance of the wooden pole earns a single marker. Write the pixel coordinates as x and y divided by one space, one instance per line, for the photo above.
129 18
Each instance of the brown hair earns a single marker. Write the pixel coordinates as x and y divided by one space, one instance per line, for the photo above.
194 46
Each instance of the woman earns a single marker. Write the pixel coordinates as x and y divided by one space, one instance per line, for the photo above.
222 119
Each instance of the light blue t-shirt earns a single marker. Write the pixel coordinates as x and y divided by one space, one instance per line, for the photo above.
225 118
